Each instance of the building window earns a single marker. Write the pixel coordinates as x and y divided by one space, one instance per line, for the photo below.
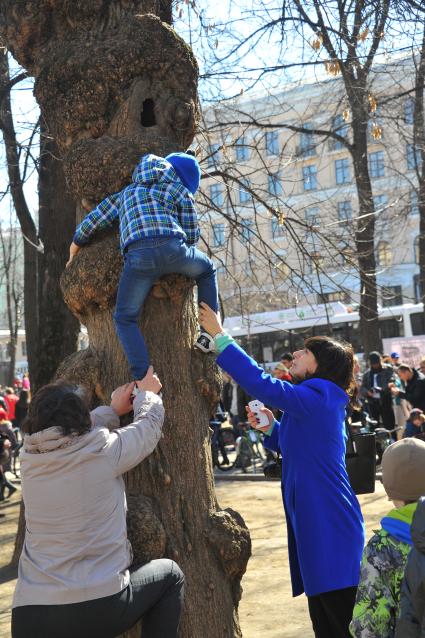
244 195
345 211
242 150
307 146
218 234
214 156
379 202
310 177
413 157
278 230
275 184
24 348
246 230
216 195
414 203
346 255
392 296
376 164
341 127
342 171
409 109
272 143
312 216
315 262
384 255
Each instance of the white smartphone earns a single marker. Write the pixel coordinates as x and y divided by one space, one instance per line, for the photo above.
256 407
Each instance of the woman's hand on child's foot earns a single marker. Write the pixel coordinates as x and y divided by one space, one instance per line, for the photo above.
150 382
209 320
121 399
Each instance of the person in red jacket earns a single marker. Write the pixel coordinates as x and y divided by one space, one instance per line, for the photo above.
11 400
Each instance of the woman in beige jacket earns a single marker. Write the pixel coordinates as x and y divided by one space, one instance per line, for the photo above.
74 577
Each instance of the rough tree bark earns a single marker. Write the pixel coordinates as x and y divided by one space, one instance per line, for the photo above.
113 82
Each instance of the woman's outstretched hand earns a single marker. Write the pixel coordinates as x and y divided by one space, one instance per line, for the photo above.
209 320
253 421
121 399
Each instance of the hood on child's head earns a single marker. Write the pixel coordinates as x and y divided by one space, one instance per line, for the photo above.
153 169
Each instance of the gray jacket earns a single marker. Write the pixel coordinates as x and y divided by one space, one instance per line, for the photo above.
76 546
411 623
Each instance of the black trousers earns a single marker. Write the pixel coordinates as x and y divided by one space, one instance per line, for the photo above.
155 594
331 612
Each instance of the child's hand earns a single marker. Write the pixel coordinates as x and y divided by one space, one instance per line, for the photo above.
253 421
150 382
209 320
73 250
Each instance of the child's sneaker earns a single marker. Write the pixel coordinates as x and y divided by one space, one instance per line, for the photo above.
205 342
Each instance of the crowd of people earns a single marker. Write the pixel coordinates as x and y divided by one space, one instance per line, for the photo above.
14 402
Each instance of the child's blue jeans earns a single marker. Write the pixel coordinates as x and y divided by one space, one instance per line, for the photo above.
145 261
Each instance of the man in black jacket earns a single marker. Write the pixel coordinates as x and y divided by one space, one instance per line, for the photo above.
375 388
414 386
235 399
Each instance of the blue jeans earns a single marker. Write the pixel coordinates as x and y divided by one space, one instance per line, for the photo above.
145 261
155 593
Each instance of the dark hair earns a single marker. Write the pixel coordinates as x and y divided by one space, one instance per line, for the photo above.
57 405
335 362
24 397
405 367
287 356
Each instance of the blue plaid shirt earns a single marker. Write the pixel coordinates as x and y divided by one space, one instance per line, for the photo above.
155 204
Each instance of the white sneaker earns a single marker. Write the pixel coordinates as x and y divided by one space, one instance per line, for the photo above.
205 342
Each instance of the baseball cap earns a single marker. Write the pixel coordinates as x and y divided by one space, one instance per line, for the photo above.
395 355
403 470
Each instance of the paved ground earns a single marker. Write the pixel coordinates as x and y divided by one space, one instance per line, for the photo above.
267 609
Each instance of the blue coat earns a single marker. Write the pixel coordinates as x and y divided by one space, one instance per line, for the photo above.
325 523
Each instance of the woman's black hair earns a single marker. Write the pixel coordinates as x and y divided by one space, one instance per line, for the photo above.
335 362
57 405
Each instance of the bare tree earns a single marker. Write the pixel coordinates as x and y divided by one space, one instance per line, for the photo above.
12 280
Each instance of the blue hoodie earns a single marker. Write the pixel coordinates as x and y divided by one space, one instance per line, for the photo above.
155 204
323 516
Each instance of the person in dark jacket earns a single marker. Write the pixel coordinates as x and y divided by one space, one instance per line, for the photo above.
323 516
21 407
411 622
414 386
234 401
376 390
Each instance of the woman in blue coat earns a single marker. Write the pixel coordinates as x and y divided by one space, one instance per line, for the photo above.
324 520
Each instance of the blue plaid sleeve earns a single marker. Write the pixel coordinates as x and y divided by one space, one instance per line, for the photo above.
188 219
100 217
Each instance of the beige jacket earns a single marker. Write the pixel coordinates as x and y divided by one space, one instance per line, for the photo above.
76 546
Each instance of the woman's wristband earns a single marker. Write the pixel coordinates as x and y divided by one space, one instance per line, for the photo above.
222 340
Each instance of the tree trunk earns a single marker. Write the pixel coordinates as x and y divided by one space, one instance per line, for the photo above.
365 232
58 329
113 83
